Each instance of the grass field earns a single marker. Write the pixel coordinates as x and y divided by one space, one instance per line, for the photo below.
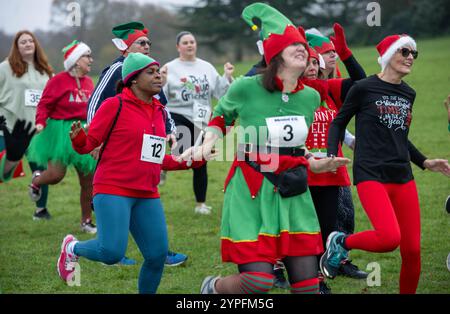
29 249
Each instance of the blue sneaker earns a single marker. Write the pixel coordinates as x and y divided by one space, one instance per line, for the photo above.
175 259
125 261
334 255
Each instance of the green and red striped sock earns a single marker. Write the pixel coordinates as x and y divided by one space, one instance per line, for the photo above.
308 286
256 282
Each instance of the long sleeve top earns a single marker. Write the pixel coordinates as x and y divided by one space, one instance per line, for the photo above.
190 88
19 96
63 100
383 117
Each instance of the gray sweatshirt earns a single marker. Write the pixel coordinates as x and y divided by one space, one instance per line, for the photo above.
190 87
20 96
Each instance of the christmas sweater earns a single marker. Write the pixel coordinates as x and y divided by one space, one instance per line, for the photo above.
190 87
63 100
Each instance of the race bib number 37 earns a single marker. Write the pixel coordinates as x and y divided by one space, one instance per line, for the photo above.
153 149
201 112
32 97
287 131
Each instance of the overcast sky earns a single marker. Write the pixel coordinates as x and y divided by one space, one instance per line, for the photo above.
35 14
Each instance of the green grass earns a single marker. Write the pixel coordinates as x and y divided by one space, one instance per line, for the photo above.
29 249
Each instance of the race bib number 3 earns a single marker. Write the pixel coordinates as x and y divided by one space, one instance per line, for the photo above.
153 149
287 131
32 97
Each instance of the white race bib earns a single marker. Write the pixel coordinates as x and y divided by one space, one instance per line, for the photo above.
287 131
32 97
153 148
201 112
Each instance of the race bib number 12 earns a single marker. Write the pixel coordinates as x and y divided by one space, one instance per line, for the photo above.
153 149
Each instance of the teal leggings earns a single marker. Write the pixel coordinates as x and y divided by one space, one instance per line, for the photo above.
144 218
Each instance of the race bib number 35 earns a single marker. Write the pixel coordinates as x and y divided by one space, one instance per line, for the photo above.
287 131
32 97
153 149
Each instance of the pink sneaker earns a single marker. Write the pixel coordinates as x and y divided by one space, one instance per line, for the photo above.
66 261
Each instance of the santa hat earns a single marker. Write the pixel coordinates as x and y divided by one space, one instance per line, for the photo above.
127 33
134 63
277 31
389 46
73 52
320 43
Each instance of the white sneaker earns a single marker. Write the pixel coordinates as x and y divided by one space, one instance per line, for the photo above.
203 209
208 285
88 227
35 191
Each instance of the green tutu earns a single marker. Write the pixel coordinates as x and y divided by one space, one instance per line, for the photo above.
53 144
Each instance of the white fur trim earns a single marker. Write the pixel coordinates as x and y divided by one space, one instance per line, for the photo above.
314 31
80 50
321 62
403 41
120 44
260 46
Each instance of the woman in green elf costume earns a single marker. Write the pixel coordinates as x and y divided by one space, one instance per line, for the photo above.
262 221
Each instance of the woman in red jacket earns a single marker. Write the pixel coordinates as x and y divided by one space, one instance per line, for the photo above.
132 129
63 101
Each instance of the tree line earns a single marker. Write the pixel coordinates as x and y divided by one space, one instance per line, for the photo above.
220 31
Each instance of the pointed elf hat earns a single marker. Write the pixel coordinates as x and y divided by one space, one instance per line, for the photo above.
319 42
277 31
127 33
390 44
73 52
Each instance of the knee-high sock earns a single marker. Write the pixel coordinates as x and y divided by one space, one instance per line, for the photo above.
308 286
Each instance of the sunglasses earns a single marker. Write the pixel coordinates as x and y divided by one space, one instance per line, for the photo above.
143 42
405 52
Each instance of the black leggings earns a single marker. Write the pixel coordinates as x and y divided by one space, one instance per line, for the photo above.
187 133
299 268
325 200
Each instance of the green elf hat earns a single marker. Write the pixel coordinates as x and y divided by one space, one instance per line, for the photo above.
319 42
277 31
127 33
134 63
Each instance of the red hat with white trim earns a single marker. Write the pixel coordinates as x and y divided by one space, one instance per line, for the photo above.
73 52
389 46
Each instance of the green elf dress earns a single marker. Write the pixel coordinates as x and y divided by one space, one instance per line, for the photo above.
259 225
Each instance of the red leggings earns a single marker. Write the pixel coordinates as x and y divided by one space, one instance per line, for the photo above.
394 212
